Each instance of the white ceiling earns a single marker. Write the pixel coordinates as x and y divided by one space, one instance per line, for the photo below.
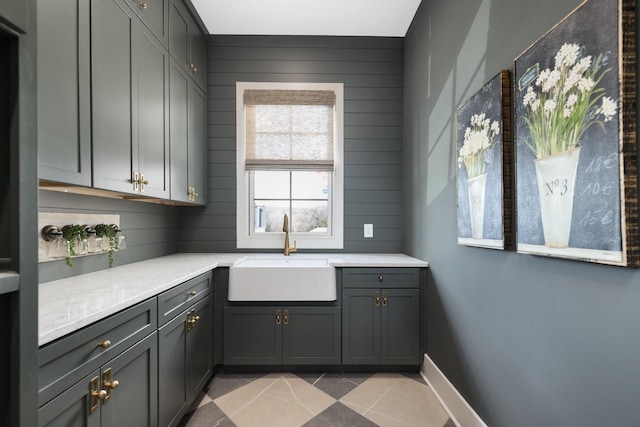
383 18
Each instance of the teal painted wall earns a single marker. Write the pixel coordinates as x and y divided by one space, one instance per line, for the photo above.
528 341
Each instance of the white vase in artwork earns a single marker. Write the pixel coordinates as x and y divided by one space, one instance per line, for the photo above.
556 177
477 188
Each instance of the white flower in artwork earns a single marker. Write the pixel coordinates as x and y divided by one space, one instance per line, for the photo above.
478 138
563 102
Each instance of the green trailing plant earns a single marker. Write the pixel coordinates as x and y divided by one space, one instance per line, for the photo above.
107 231
71 233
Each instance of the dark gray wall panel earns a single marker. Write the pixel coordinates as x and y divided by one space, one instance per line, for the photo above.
151 231
528 341
372 72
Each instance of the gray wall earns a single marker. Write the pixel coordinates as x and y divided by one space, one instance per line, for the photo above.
528 341
150 229
372 72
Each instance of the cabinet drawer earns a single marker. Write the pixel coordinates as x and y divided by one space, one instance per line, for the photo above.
384 277
67 360
176 300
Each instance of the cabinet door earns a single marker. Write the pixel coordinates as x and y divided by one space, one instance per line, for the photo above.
200 347
179 19
252 336
172 378
179 132
155 15
113 30
15 12
198 56
71 408
198 144
400 326
153 114
64 103
135 401
311 336
360 326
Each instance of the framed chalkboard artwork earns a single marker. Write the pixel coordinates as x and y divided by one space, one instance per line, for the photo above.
484 163
575 149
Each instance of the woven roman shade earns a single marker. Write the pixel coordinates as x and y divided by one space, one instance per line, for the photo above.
289 129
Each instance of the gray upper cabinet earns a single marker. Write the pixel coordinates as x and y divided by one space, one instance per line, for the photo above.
64 118
129 103
155 15
187 43
14 12
188 138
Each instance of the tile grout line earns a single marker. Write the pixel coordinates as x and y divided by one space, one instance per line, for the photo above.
321 376
254 399
298 400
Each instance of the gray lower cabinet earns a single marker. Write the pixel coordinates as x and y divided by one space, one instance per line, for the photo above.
122 392
130 93
286 335
381 325
64 91
188 138
186 350
125 370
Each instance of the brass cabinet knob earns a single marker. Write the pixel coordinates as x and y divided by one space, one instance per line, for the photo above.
102 394
143 5
380 279
193 67
193 293
112 384
104 344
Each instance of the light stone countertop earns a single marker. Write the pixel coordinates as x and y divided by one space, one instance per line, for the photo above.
67 305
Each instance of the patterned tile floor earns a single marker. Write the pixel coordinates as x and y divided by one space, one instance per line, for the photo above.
317 400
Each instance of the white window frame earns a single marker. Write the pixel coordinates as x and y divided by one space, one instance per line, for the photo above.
244 204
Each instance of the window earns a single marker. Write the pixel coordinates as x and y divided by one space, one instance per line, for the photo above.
289 161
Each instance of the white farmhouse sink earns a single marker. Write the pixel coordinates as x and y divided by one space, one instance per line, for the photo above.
281 278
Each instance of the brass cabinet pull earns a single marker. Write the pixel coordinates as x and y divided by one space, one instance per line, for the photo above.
376 299
136 181
193 68
192 194
139 182
109 384
95 395
143 182
278 321
385 299
193 293
286 317
104 344
380 279
192 319
143 5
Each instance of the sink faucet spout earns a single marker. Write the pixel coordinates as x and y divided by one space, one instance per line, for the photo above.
285 228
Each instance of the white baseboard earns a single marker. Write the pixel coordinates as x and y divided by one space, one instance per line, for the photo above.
461 413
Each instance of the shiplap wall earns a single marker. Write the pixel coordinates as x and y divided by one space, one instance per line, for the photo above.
150 230
372 72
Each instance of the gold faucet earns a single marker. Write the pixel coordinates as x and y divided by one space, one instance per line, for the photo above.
285 228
